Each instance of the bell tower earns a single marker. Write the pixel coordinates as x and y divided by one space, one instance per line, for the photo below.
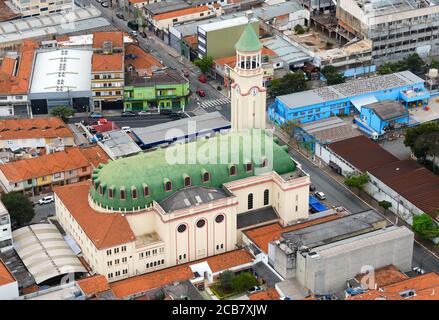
248 95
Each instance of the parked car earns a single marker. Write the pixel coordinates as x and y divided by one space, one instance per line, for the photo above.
142 34
133 25
126 129
104 4
128 114
120 16
312 187
176 115
46 200
133 33
143 113
200 92
254 290
96 115
99 1
320 195
202 78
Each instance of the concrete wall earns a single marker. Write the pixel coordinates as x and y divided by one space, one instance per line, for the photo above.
9 291
326 155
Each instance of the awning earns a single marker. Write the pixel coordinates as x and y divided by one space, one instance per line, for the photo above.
363 101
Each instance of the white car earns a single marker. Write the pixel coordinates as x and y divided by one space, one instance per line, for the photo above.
126 129
254 290
46 200
320 195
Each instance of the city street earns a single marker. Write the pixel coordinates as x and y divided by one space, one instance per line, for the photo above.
43 211
133 122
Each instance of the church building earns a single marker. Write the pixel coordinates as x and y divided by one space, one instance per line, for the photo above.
189 201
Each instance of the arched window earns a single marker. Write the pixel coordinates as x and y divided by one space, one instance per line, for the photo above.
134 193
110 193
248 167
145 191
264 162
206 176
181 228
101 190
122 194
250 201
187 181
168 186
266 197
232 170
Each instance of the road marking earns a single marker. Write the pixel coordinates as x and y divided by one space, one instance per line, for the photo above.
214 102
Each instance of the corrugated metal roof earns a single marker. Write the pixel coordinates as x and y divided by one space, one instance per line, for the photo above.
362 153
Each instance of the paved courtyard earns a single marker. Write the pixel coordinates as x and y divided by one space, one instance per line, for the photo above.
420 115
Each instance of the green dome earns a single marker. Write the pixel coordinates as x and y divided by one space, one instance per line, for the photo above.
152 170
249 40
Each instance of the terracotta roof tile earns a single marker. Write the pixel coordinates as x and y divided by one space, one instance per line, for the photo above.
426 287
48 164
93 285
144 60
262 236
107 62
19 83
269 294
181 12
158 279
115 36
95 155
6 13
6 276
386 275
105 230
50 127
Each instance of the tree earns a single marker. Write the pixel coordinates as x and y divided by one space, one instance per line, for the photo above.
414 63
298 29
332 75
386 205
204 64
425 226
19 207
357 181
244 281
62 112
289 127
226 279
434 64
290 83
423 140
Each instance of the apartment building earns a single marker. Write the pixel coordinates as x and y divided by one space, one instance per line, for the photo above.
5 229
396 28
15 71
107 70
32 8
39 175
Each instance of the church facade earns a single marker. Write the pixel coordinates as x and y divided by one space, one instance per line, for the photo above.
189 201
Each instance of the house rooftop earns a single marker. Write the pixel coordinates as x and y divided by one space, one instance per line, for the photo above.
256 217
362 152
268 294
330 130
143 60
156 78
140 284
180 13
116 38
94 285
6 277
107 62
163 7
105 230
385 276
49 127
388 109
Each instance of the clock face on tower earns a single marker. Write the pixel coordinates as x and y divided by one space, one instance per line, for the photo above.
254 91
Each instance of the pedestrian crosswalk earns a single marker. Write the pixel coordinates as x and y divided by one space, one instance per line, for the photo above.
214 103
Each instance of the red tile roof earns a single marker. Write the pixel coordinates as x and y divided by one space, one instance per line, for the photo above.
158 279
93 285
19 83
426 287
412 181
262 236
269 294
180 12
6 13
95 155
385 276
6 276
116 37
51 127
45 165
107 62
369 155
144 60
105 230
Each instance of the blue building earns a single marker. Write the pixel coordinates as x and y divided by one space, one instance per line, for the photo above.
349 98
385 115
